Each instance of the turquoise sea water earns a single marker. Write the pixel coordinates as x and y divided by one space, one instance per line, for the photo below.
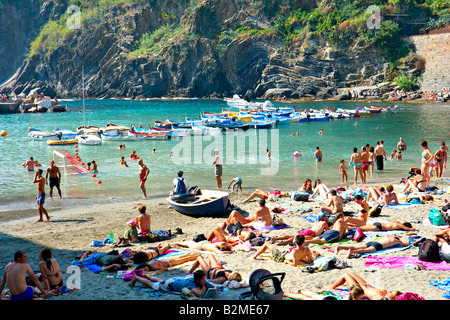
248 160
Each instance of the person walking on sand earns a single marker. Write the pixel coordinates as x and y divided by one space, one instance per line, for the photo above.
55 178
40 198
355 161
218 161
143 174
427 157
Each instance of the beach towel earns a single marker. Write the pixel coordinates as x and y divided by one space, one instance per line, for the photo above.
404 263
386 251
260 227
443 285
372 235
400 206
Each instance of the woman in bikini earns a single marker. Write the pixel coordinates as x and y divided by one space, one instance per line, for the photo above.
356 162
215 272
50 276
441 161
215 247
164 263
427 157
306 187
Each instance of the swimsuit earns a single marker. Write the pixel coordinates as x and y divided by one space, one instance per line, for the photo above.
330 236
239 181
26 295
307 233
54 182
376 245
319 158
378 225
40 199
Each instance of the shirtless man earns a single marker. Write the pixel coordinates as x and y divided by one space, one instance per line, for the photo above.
372 246
365 160
55 178
318 155
317 228
380 155
361 220
262 214
30 164
401 145
335 204
387 226
15 277
298 254
143 174
333 235
40 198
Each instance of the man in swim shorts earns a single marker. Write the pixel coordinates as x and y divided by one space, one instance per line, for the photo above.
40 198
15 277
372 246
218 161
30 164
387 226
318 155
333 235
55 178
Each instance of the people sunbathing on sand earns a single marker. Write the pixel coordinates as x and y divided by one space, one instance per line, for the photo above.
363 215
215 247
372 246
265 195
164 263
215 272
298 254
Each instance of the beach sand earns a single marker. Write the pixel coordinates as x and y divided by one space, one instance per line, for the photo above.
70 231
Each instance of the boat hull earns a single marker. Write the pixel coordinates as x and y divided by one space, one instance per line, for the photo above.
209 204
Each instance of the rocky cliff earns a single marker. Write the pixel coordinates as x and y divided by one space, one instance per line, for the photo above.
192 49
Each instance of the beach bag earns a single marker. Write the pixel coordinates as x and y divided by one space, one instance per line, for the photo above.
436 218
324 263
199 237
277 220
301 197
375 211
429 251
181 186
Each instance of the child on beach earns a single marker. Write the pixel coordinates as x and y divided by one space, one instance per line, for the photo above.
237 182
393 154
123 162
343 171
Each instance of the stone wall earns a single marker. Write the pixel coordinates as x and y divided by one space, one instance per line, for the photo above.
435 49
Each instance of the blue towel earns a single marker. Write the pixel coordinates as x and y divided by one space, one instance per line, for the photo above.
443 285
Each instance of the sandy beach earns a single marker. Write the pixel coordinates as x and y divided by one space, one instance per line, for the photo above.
70 231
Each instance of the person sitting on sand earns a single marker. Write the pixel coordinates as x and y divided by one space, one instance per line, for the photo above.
164 263
50 275
306 187
298 254
333 235
321 189
387 226
143 220
265 195
381 196
14 276
196 284
215 247
215 272
334 205
317 228
131 235
237 182
416 182
108 262
362 216
261 215
361 290
372 246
